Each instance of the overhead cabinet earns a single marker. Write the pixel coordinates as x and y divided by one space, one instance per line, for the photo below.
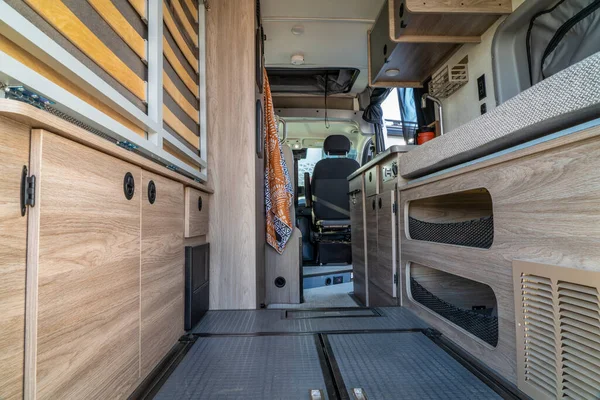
411 38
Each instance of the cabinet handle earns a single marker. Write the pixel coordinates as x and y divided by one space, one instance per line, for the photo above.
151 192
373 204
370 176
199 203
128 186
380 203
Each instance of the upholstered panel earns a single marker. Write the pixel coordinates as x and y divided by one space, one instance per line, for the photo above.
563 100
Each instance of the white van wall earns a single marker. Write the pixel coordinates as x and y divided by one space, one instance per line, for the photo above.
464 105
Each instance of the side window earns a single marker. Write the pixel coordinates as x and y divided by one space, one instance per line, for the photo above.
313 156
400 117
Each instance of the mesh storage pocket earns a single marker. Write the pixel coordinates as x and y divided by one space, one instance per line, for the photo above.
479 323
474 233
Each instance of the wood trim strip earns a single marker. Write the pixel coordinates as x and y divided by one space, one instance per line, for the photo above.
121 26
172 150
185 21
140 7
179 98
38 66
174 61
31 283
178 37
179 127
192 8
31 116
57 14
437 39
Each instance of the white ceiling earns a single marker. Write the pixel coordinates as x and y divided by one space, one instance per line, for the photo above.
335 33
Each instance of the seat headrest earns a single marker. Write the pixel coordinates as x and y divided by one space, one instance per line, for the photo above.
336 145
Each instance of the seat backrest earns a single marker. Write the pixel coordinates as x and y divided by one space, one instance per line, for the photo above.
329 183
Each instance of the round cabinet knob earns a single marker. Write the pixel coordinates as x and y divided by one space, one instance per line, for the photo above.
128 186
151 192
199 203
280 282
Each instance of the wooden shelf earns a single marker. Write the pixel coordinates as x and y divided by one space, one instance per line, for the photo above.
416 36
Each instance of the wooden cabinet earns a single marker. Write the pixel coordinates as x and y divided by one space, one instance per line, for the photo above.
14 155
162 268
358 246
381 249
196 213
88 269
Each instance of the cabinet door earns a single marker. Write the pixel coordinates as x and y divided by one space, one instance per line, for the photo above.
381 276
196 213
371 221
88 270
358 247
163 267
14 154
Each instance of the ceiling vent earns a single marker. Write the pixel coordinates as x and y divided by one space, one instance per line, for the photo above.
558 331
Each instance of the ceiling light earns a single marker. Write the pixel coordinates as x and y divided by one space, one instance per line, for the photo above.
296 145
298 30
297 59
392 72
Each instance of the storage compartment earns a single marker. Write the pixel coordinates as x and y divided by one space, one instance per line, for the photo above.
463 219
196 213
197 264
372 181
467 304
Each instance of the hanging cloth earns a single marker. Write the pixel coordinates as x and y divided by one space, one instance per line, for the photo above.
279 192
373 114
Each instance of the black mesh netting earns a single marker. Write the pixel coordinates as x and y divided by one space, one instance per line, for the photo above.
474 233
485 327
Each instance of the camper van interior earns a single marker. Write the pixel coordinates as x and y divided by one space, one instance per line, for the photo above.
299 199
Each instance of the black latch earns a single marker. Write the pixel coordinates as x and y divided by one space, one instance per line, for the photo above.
395 208
27 191
395 279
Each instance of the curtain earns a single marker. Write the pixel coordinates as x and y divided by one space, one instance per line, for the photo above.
408 111
373 114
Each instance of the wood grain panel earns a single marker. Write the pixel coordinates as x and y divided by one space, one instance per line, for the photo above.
196 220
381 274
121 26
14 154
35 117
179 98
193 9
453 207
460 6
358 246
178 37
61 18
38 66
543 212
235 207
89 273
179 127
140 7
162 270
176 64
371 229
185 21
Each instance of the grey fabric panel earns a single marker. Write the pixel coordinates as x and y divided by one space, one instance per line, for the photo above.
179 54
90 18
125 7
250 368
180 85
269 321
567 98
180 114
403 366
182 30
46 28
582 40
179 137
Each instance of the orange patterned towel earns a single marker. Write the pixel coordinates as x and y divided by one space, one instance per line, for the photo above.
279 192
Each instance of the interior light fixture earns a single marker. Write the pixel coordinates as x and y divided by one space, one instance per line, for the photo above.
392 72
298 30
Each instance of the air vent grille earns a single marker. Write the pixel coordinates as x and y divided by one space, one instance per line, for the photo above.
558 331
539 339
580 338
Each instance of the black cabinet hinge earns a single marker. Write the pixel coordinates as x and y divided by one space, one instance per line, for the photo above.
395 279
27 191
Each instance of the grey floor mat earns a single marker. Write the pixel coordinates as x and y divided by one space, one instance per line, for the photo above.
403 366
357 312
270 321
266 367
